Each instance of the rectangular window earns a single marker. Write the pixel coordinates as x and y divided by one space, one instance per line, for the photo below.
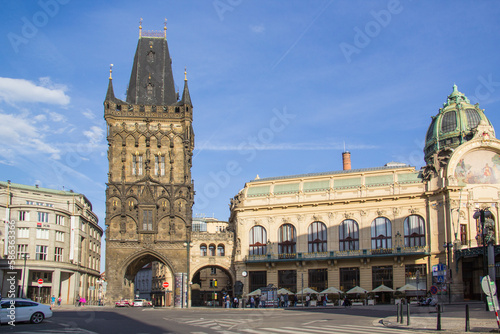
382 275
134 164
42 233
287 279
349 278
139 167
24 215
463 234
213 271
416 275
318 279
41 252
43 217
59 236
147 222
60 220
58 254
157 164
162 165
23 232
257 279
22 250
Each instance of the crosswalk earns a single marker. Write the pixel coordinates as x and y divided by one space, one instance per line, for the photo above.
235 326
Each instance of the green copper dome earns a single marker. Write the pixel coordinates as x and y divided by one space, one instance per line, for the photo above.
454 125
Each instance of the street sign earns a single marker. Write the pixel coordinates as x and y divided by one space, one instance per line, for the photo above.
40 281
434 289
489 287
165 284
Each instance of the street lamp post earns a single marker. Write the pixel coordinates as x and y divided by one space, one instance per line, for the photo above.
482 214
25 256
448 245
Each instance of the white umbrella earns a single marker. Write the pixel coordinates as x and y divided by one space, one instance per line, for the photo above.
356 289
382 288
407 287
255 293
306 291
284 291
331 290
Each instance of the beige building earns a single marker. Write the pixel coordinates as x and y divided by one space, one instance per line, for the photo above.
50 235
389 225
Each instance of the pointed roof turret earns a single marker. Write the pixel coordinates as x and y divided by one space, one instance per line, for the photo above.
110 94
151 80
186 98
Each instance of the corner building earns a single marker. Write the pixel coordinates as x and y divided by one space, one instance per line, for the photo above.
59 235
390 225
149 195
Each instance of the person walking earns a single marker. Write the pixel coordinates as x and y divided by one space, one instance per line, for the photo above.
53 301
59 301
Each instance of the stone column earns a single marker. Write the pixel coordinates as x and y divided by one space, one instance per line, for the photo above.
56 283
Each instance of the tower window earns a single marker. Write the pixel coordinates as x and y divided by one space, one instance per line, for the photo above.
147 222
136 164
473 118
449 122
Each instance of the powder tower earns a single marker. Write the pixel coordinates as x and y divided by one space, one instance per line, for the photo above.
149 195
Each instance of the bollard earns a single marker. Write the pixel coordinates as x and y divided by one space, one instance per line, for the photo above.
401 313
397 313
438 317
408 314
467 318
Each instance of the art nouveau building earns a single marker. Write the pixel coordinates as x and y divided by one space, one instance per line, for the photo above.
57 232
386 225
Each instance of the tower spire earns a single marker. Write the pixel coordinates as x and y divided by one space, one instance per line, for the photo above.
165 28
110 71
186 98
140 28
110 94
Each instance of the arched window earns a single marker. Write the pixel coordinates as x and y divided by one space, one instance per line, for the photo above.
286 241
381 233
211 250
316 236
258 240
349 235
203 250
414 231
220 250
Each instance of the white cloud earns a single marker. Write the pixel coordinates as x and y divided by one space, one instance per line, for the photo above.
258 28
20 90
89 114
19 135
95 134
246 146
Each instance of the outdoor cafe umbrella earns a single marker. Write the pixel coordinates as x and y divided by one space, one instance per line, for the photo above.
382 288
357 289
331 290
284 291
255 293
407 287
306 291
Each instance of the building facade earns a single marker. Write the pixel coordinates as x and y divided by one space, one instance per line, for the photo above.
150 193
391 225
50 235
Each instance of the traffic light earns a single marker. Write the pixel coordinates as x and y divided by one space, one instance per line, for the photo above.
215 283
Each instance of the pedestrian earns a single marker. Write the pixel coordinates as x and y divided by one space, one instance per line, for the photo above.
282 301
53 301
308 298
78 302
295 300
257 302
287 300
59 301
252 302
318 300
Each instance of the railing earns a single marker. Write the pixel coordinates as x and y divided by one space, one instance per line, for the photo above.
380 252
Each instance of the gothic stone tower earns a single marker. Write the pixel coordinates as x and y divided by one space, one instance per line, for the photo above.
149 195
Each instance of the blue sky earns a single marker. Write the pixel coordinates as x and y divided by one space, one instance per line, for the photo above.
278 87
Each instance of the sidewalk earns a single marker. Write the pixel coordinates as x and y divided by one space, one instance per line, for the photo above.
424 318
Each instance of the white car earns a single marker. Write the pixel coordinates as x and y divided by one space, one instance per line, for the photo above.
19 310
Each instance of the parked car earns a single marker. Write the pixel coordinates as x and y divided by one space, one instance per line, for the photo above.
123 303
148 303
139 302
19 310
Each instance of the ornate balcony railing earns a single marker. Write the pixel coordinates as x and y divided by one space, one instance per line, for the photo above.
333 255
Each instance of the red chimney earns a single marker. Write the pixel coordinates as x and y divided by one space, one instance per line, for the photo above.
346 160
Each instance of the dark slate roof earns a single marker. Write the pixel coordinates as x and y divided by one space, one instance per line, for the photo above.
329 173
152 81
186 98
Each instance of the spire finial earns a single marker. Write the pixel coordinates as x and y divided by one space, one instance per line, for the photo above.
140 27
165 27
110 71
185 74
